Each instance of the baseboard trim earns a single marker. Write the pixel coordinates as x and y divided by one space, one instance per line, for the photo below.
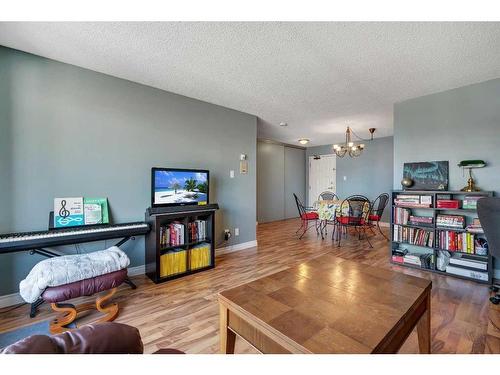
10 300
384 224
138 270
237 247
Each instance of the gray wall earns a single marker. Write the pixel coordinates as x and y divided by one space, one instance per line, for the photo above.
67 131
369 174
454 125
280 173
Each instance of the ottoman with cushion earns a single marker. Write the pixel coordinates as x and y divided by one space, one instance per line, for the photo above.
59 279
88 287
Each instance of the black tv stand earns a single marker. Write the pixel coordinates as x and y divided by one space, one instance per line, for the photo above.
179 209
166 261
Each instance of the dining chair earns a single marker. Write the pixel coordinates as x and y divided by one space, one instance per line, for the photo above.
307 215
327 196
377 210
354 212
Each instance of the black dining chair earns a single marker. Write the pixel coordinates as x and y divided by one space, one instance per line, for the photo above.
378 207
328 196
307 215
488 211
354 212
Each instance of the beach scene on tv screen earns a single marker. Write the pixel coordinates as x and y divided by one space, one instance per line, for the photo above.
180 187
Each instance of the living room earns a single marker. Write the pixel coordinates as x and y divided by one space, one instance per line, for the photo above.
250 187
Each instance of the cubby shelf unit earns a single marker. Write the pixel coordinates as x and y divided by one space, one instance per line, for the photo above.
155 250
434 211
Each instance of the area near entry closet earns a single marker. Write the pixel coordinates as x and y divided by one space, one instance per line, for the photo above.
281 172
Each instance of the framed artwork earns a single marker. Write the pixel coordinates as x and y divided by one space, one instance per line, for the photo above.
427 175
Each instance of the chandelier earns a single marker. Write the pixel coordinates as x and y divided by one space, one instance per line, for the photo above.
350 147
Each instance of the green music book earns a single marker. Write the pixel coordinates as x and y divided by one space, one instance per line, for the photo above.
96 211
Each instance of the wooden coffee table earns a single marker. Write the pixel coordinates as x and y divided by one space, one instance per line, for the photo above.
327 305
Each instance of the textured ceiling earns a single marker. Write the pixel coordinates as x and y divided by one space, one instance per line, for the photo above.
317 77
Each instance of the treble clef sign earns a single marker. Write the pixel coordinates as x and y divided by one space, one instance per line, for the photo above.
63 212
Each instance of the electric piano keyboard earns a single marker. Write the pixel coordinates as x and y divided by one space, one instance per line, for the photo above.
68 236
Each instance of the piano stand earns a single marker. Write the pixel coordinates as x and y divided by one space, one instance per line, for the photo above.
51 254
34 307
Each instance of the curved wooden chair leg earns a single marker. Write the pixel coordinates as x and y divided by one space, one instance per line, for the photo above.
69 313
111 310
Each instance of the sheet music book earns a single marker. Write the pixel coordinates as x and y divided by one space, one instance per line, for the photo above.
68 212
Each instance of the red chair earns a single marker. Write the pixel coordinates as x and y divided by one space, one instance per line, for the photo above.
306 216
378 207
354 212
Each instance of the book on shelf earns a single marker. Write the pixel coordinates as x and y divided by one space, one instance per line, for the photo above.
419 260
401 215
424 201
413 236
457 241
197 230
398 258
470 201
412 259
460 260
450 221
172 234
475 227
478 275
451 204
421 220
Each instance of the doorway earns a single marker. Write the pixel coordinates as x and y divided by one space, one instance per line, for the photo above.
322 175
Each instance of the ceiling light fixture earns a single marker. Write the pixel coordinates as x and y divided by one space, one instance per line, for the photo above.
303 141
349 147
283 124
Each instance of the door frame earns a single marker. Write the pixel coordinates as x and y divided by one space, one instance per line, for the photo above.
308 187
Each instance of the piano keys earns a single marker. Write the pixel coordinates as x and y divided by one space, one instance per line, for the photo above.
67 236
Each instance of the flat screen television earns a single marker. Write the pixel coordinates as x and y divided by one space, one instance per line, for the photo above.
179 187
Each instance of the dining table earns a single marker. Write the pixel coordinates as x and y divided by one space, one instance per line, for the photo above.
327 213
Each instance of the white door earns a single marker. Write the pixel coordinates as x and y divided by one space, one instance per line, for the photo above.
322 176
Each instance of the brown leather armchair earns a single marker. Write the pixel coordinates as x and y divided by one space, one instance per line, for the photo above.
103 338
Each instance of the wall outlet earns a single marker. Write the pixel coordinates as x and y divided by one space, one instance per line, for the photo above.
231 173
236 231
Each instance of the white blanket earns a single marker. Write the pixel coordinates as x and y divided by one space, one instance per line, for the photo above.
70 268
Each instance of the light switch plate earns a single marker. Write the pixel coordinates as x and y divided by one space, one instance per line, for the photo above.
231 173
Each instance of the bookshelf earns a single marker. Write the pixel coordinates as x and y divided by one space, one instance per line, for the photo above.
424 241
180 243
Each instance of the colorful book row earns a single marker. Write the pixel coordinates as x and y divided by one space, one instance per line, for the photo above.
413 236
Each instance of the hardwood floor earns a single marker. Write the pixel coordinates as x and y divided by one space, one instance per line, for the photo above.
184 313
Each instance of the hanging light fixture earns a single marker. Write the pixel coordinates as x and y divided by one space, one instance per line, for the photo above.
349 147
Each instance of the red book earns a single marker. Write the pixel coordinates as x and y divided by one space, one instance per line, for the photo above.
448 203
397 259
173 237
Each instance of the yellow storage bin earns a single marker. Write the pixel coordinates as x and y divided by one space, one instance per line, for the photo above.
172 263
200 257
